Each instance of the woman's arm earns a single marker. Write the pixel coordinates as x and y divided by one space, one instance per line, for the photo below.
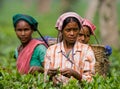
89 65
70 72
33 69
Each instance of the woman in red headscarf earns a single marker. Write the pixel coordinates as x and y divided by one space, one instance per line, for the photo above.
86 31
84 37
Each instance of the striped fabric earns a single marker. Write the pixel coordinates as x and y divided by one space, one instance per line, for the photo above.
82 57
60 20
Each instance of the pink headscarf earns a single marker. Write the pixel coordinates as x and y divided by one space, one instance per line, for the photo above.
60 20
90 25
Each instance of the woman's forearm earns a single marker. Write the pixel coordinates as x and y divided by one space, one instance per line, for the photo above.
77 75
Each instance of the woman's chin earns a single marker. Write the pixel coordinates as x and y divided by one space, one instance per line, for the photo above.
24 41
72 41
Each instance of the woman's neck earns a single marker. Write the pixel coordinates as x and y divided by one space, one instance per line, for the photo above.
24 44
68 46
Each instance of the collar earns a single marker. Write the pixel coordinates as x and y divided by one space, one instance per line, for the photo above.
77 47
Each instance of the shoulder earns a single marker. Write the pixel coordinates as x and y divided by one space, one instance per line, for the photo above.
36 41
53 47
40 46
84 47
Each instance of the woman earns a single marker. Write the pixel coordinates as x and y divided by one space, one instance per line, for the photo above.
102 62
30 54
86 32
69 58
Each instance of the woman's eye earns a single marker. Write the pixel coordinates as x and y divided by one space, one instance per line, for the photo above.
75 29
80 34
26 29
88 35
67 30
18 30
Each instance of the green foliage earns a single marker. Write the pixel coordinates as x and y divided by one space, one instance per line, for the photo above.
14 80
10 79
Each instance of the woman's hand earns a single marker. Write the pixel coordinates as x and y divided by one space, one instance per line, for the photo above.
70 72
33 69
67 72
52 71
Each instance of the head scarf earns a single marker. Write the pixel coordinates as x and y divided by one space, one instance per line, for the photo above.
30 20
61 19
90 25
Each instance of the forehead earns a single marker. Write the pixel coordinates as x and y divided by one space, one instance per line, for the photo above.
22 23
71 25
85 29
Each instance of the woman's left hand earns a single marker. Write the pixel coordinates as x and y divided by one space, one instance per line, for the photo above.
67 72
33 69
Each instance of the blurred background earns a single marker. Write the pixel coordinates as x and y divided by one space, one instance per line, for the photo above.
105 14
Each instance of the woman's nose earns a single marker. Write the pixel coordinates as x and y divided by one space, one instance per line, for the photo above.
71 32
23 32
83 37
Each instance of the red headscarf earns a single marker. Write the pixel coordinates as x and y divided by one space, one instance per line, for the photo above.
90 25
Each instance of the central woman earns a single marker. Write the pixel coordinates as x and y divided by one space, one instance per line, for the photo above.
69 58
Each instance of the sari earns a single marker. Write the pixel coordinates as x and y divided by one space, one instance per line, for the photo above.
24 57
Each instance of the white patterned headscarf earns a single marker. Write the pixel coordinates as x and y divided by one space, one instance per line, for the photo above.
61 19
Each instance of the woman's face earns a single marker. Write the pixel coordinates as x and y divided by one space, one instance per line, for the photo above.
84 35
23 31
70 32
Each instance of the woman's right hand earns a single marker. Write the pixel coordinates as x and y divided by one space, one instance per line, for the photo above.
68 72
52 71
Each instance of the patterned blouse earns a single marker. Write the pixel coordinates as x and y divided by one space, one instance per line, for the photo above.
81 59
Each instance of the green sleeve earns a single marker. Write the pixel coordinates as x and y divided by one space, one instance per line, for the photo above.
16 54
38 55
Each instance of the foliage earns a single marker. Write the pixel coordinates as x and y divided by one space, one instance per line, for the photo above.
14 80
10 79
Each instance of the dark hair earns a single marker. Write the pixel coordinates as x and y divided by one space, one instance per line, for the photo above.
29 19
90 30
31 26
67 20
